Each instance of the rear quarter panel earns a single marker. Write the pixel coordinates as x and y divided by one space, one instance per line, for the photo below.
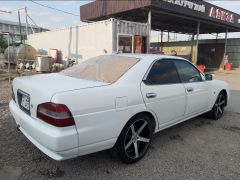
95 111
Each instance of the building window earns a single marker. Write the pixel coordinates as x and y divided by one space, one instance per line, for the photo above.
125 44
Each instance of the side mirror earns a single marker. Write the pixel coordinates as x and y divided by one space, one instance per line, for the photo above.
208 77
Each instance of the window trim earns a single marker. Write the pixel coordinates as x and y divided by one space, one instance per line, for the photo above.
149 69
174 59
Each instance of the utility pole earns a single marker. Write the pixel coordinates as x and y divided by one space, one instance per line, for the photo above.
26 21
149 30
20 26
161 40
197 43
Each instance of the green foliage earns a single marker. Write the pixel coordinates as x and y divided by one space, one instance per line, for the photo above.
3 44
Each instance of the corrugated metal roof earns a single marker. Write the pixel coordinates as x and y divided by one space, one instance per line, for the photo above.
167 15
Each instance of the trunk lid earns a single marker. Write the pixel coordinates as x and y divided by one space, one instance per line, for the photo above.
41 88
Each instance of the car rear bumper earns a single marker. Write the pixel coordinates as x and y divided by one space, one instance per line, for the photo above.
57 143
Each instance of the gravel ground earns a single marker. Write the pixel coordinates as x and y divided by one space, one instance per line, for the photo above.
5 94
196 149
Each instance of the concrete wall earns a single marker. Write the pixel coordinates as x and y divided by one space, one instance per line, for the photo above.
86 41
184 48
233 49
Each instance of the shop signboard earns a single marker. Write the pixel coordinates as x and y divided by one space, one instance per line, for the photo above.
200 9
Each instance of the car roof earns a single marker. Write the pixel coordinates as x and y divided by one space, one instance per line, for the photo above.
151 57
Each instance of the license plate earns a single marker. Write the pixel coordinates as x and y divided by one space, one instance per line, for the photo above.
24 101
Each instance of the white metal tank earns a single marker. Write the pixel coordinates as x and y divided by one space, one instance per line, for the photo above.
12 54
27 52
24 52
43 63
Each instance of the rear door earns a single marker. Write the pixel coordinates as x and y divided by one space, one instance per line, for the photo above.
197 89
163 93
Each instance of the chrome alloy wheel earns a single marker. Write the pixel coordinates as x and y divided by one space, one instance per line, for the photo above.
137 138
219 105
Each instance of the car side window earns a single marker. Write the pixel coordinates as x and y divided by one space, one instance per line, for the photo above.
162 72
187 72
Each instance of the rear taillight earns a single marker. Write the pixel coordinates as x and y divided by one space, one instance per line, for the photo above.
55 114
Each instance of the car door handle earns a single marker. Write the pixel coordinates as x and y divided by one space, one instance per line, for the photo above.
151 95
190 89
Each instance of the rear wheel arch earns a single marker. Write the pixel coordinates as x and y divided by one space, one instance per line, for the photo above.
143 113
150 115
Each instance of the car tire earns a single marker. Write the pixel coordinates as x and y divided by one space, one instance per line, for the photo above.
218 109
134 140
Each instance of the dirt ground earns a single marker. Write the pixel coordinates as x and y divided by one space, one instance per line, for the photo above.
196 149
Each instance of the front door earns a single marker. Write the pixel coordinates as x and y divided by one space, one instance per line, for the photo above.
197 90
163 93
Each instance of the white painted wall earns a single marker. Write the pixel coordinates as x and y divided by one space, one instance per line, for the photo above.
87 40
80 42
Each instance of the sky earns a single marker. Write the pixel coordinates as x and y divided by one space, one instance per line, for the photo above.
45 17
52 19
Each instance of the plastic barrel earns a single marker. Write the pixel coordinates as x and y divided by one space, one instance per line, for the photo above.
201 68
228 67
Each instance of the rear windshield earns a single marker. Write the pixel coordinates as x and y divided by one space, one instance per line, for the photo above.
106 68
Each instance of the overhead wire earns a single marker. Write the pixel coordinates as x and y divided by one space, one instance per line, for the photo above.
46 6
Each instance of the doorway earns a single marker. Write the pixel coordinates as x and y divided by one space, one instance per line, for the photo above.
140 44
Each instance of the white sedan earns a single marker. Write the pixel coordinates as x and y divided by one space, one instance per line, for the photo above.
112 102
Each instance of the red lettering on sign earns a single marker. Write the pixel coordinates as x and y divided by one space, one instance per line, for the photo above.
221 15
212 12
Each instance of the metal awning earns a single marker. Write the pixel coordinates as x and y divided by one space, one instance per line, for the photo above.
181 16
